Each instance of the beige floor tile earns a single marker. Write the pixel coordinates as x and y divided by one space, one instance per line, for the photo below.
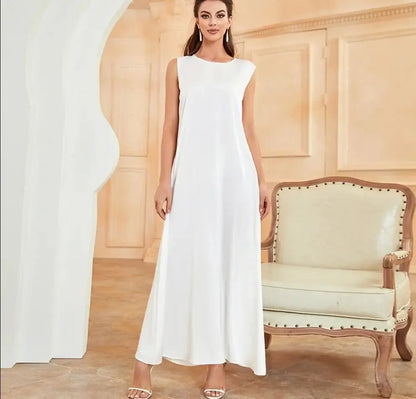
301 367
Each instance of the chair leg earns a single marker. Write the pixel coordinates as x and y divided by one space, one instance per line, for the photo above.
384 345
402 347
267 340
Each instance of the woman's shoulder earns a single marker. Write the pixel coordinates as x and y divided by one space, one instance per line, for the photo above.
247 62
246 65
182 57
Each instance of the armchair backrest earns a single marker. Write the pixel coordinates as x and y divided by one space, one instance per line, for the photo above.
337 222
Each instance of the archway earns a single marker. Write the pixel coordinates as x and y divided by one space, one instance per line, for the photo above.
69 152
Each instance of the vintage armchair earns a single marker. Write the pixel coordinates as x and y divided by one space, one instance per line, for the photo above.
339 250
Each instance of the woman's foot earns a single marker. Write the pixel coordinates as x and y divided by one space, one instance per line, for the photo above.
215 379
141 379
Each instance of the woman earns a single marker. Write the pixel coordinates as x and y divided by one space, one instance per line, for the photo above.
205 306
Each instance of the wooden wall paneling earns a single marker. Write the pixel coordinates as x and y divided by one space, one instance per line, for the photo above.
371 113
129 83
371 96
132 83
126 208
290 103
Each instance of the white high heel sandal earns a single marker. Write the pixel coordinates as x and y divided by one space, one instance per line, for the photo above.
139 391
221 391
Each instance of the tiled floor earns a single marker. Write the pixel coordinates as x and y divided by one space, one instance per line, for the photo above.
303 367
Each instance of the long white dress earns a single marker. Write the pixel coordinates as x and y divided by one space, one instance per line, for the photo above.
205 305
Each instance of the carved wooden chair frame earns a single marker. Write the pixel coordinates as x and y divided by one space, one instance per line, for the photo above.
384 340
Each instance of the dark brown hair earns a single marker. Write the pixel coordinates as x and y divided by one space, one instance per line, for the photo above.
193 44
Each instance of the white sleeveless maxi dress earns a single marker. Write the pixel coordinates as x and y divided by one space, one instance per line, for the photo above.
205 305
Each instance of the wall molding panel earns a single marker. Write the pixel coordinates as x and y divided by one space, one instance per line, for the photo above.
296 60
132 81
127 208
371 95
349 156
289 102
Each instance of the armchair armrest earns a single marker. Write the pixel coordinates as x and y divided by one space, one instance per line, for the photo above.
402 254
391 260
396 258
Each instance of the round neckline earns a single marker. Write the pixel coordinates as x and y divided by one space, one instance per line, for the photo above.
214 62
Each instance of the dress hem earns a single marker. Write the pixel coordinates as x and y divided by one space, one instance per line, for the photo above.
183 362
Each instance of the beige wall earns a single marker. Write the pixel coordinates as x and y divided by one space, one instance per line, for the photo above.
129 91
334 97
257 14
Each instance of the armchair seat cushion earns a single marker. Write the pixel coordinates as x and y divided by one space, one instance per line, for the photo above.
331 291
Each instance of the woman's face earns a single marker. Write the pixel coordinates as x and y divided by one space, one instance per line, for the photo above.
213 19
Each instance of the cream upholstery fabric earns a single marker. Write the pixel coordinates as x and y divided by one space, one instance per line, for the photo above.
336 292
338 225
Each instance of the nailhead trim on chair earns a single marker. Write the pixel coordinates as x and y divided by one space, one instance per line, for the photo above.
401 256
326 183
332 327
402 316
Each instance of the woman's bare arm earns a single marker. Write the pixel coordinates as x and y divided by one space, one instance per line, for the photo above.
169 140
248 122
170 125
253 143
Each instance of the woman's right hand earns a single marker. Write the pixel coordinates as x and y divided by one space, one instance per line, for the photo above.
163 193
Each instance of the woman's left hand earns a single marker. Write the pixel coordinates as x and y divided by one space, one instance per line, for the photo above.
264 206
